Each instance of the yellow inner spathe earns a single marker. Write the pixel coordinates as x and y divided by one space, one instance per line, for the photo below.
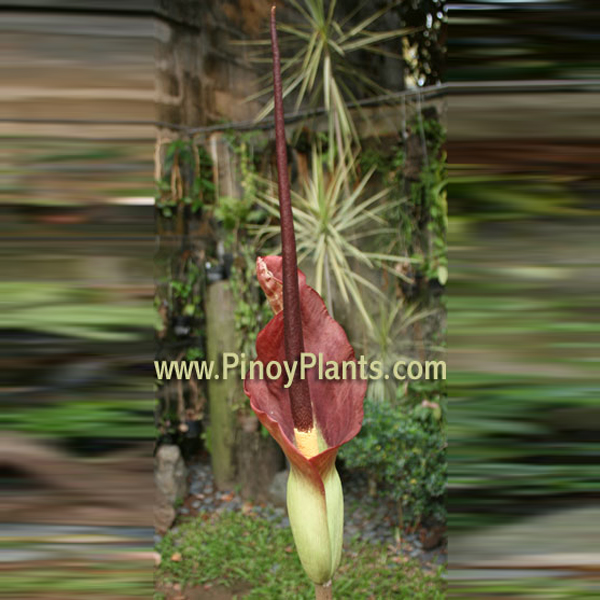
307 442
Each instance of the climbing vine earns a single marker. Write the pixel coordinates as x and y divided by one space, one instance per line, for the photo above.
238 216
186 180
428 200
184 193
416 171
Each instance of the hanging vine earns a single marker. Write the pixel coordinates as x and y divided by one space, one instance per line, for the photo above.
237 216
184 194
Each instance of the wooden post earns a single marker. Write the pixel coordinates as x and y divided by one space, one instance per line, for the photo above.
220 337
236 443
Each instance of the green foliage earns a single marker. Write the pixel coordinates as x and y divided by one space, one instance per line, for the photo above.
329 220
194 353
252 312
423 219
235 549
185 192
317 64
412 393
402 448
387 166
431 193
233 212
237 216
422 216
184 293
390 340
187 178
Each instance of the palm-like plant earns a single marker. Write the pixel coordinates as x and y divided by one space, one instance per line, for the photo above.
388 329
329 222
318 70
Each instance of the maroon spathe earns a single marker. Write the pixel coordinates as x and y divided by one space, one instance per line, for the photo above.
337 405
301 324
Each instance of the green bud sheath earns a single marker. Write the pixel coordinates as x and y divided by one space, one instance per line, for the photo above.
317 523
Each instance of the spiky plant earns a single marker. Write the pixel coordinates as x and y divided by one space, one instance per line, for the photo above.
329 224
386 335
318 69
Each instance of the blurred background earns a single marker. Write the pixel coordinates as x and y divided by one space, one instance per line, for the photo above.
110 107
76 287
523 235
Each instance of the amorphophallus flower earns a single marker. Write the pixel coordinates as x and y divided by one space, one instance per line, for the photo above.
309 435
314 415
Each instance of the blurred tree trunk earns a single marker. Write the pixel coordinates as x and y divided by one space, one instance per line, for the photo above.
239 452
222 393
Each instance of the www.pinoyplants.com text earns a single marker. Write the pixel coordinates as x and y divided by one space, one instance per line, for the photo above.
233 364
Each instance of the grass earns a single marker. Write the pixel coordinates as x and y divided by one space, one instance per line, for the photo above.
233 550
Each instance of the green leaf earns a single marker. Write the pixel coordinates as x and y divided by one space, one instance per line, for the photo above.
442 274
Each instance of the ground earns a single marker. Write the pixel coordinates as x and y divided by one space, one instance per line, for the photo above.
223 548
